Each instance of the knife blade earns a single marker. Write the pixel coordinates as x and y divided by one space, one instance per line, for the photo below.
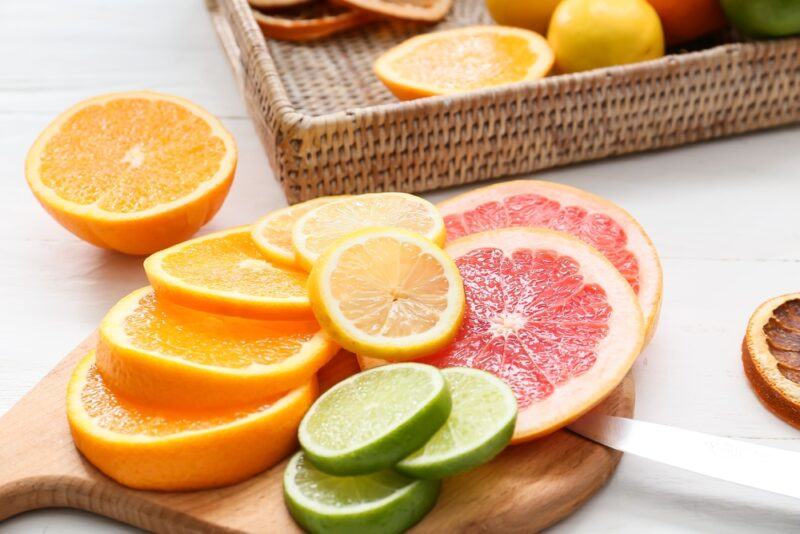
757 466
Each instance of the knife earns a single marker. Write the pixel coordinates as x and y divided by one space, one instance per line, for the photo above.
757 466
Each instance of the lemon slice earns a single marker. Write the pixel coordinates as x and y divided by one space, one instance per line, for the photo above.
387 293
322 226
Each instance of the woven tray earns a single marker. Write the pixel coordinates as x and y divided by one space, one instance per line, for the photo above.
330 127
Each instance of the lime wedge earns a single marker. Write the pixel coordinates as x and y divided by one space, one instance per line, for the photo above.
374 419
382 502
480 425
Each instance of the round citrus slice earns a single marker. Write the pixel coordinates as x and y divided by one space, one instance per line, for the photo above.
480 425
226 273
374 419
463 59
771 355
134 172
594 220
387 293
273 232
378 503
164 354
548 314
150 448
322 226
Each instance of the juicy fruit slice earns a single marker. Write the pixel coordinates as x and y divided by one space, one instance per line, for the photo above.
342 366
374 419
463 59
321 227
378 503
272 234
594 220
226 273
134 172
771 355
387 293
480 425
155 449
163 354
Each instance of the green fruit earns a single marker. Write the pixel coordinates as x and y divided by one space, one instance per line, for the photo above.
374 419
764 18
381 503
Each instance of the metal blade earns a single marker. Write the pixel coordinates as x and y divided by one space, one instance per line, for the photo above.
757 466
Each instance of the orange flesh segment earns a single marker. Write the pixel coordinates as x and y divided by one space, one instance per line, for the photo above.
211 339
145 153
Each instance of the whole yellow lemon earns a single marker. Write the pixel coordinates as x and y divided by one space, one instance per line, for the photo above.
530 14
590 34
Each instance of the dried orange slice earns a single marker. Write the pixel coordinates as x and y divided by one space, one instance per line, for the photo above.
163 354
135 172
269 5
771 355
273 232
309 22
464 59
226 273
152 448
423 10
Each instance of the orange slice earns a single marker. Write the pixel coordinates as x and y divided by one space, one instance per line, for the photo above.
226 273
135 172
163 354
343 365
464 59
273 232
156 449
307 22
423 10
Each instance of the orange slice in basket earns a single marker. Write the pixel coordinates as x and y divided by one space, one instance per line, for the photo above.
422 10
226 273
163 354
269 5
307 22
134 172
464 59
156 449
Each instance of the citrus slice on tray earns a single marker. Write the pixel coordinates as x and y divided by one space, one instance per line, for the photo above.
322 226
387 293
594 220
374 419
464 59
134 172
385 502
549 315
164 354
309 21
771 355
148 448
273 232
422 10
226 273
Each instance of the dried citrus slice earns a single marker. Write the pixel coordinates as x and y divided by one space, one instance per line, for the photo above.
134 172
164 354
771 355
548 314
322 226
306 22
424 10
151 448
226 273
464 59
592 219
387 293
273 232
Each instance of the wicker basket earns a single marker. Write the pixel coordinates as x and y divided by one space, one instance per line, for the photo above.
330 127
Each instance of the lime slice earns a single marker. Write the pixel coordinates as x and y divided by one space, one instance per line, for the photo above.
374 419
480 425
382 502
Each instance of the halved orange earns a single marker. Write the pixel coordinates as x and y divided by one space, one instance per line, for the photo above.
157 449
464 59
163 354
135 171
226 273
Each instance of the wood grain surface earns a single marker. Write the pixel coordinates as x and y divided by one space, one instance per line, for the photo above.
525 489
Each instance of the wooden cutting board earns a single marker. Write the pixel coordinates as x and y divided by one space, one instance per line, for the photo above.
525 489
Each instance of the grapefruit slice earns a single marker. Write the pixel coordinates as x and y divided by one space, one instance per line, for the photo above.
548 314
597 221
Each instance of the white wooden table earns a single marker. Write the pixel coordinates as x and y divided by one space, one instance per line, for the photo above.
724 215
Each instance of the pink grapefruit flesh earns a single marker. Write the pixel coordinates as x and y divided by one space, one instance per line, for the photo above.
592 219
